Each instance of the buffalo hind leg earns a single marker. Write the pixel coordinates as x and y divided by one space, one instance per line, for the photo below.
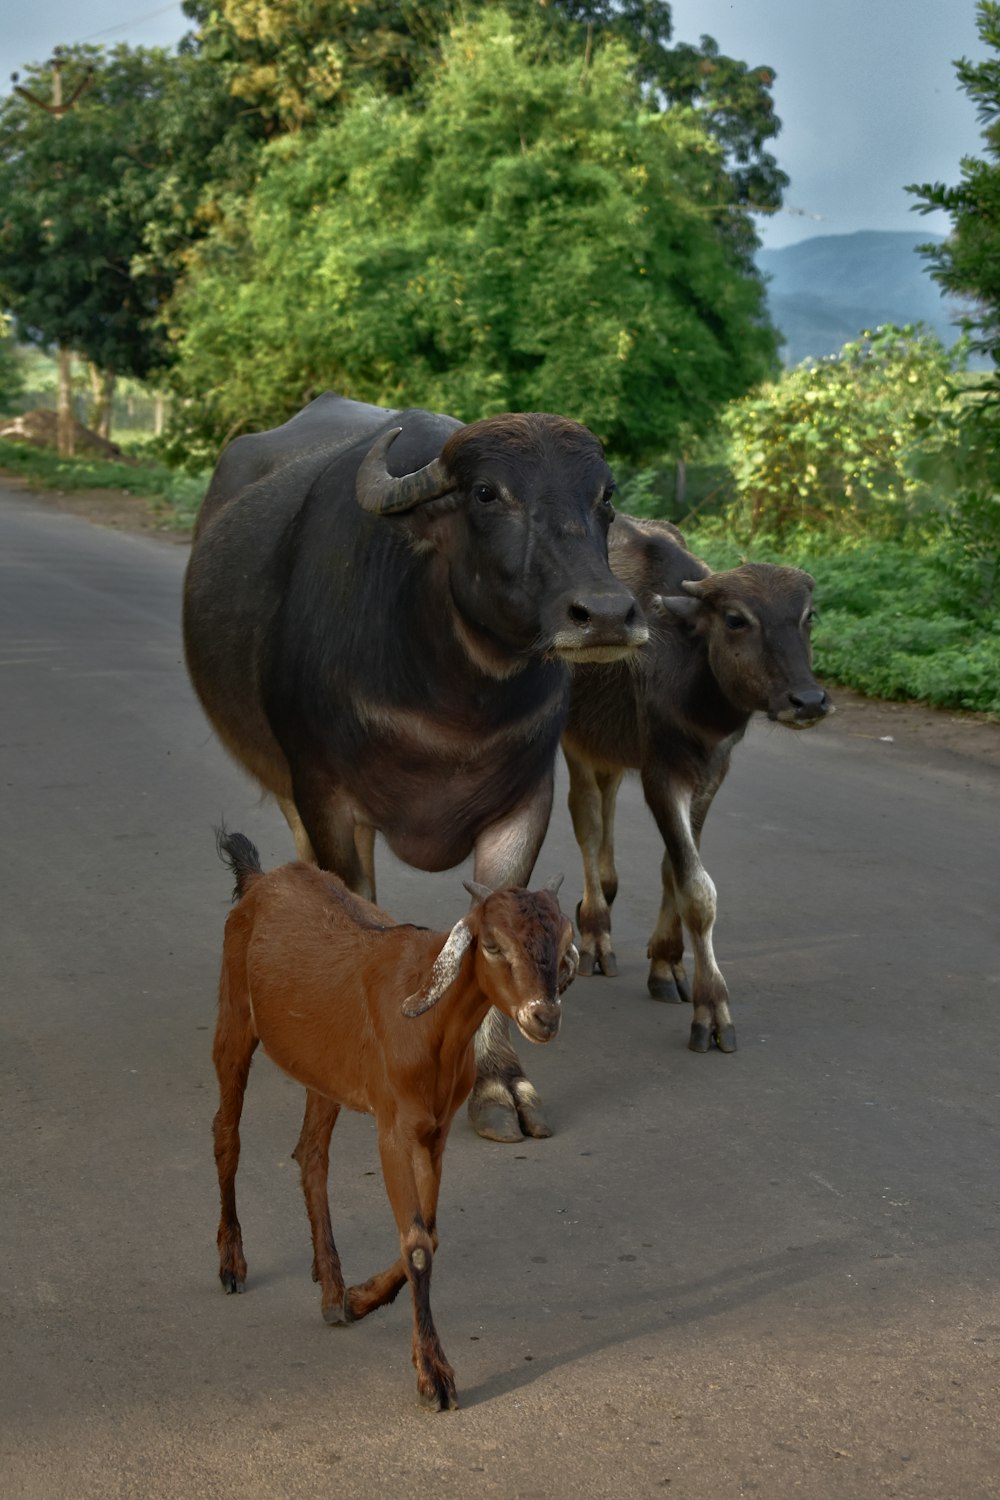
313 1156
504 1105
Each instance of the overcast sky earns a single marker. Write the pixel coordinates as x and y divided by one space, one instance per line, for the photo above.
865 90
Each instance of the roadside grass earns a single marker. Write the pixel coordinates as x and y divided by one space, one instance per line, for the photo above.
175 496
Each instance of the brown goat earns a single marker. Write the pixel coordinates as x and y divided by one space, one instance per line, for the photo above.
378 1017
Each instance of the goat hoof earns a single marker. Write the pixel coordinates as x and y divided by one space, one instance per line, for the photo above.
665 989
700 1038
586 965
337 1314
725 1038
231 1282
609 965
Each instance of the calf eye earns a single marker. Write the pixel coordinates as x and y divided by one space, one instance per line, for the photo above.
736 621
484 493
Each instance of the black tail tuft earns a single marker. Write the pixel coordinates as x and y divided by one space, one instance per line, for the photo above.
236 850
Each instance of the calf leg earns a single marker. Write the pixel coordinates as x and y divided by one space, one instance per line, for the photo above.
592 797
313 1156
695 893
232 1054
504 1105
667 978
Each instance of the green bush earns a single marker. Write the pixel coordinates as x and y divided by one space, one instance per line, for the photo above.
178 495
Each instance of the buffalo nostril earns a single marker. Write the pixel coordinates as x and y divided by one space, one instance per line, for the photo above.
810 699
579 614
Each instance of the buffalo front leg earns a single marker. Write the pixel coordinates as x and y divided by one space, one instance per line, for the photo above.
696 907
313 1156
504 1105
592 796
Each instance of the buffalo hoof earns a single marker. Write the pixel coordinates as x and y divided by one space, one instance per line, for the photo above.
495 1121
231 1282
337 1314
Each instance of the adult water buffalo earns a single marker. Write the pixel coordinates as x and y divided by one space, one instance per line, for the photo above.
379 613
723 646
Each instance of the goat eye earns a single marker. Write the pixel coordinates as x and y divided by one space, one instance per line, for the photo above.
736 621
485 494
491 950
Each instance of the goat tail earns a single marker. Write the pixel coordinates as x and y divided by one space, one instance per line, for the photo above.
237 851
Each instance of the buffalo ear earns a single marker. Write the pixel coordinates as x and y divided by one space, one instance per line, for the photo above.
443 973
682 605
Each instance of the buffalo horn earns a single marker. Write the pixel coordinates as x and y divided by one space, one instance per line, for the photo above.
695 586
382 494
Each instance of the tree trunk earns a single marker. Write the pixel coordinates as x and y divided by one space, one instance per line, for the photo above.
680 484
102 386
160 413
65 427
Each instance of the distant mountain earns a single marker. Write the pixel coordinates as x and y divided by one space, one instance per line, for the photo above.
825 290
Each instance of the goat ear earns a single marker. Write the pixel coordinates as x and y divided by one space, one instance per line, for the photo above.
444 972
477 891
682 605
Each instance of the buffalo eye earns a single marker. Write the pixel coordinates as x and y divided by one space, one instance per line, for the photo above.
735 621
485 494
608 493
811 617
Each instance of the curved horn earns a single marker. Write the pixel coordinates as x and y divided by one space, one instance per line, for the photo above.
444 972
476 890
695 586
382 494
554 884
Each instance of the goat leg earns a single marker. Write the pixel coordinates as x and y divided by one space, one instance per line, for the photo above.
313 1156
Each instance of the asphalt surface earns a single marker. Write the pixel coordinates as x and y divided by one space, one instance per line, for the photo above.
769 1274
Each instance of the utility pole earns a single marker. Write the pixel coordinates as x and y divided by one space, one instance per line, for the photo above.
55 107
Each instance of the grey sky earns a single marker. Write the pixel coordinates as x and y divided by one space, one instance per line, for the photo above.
866 90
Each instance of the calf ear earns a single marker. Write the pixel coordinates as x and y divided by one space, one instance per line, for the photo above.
685 606
443 973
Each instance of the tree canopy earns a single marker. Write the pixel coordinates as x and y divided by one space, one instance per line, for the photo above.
77 194
532 236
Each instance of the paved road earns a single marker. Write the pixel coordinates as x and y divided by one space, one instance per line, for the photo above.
772 1274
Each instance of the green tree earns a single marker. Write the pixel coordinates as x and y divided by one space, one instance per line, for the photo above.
11 378
967 453
77 194
298 62
532 236
831 447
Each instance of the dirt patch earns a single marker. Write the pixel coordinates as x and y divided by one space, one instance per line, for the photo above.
904 725
117 509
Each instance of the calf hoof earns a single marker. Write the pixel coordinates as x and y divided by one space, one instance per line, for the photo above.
337 1314
725 1038
665 989
701 1037
231 1282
